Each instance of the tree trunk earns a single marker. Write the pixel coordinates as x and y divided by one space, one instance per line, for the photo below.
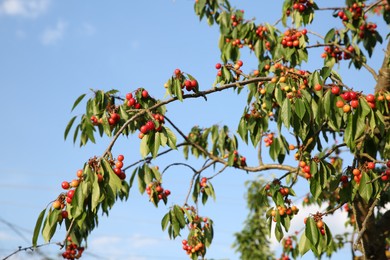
373 239
383 83
372 243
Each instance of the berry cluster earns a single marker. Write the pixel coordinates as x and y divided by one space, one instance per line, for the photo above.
156 192
73 251
196 249
319 223
190 84
356 11
386 174
291 38
261 31
238 159
288 248
269 139
203 183
132 100
337 53
151 126
112 120
350 99
118 167
195 242
302 5
237 18
282 210
63 199
305 168
367 28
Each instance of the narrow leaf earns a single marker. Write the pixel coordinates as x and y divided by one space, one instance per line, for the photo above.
37 228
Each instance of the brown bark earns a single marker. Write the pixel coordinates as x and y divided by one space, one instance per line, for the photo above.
372 242
383 83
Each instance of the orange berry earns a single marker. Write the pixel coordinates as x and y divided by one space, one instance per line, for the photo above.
320 224
346 108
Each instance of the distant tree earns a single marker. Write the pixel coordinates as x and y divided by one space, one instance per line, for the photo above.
252 242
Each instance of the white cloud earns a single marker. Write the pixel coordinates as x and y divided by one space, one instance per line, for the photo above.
118 247
24 8
5 236
53 35
88 29
139 241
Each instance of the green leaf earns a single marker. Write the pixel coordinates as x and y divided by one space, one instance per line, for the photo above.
165 221
325 72
311 232
95 194
179 215
78 100
68 127
144 148
278 231
171 137
114 182
156 144
329 36
300 108
37 228
286 112
304 245
365 187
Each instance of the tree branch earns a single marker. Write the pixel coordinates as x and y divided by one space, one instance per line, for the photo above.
383 82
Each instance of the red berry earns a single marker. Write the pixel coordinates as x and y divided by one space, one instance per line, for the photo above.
335 90
353 95
354 103
318 87
65 185
194 83
388 164
145 93
131 102
306 169
370 98
371 165
346 96
344 178
119 164
177 72
218 66
117 171
70 194
129 96
64 214
120 158
144 129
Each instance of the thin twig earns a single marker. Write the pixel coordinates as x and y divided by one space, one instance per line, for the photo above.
32 248
332 150
147 159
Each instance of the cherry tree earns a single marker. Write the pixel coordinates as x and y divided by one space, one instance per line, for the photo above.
306 115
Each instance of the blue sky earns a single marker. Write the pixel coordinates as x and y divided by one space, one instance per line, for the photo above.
53 51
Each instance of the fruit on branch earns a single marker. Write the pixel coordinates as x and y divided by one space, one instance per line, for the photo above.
73 251
118 167
291 38
65 185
